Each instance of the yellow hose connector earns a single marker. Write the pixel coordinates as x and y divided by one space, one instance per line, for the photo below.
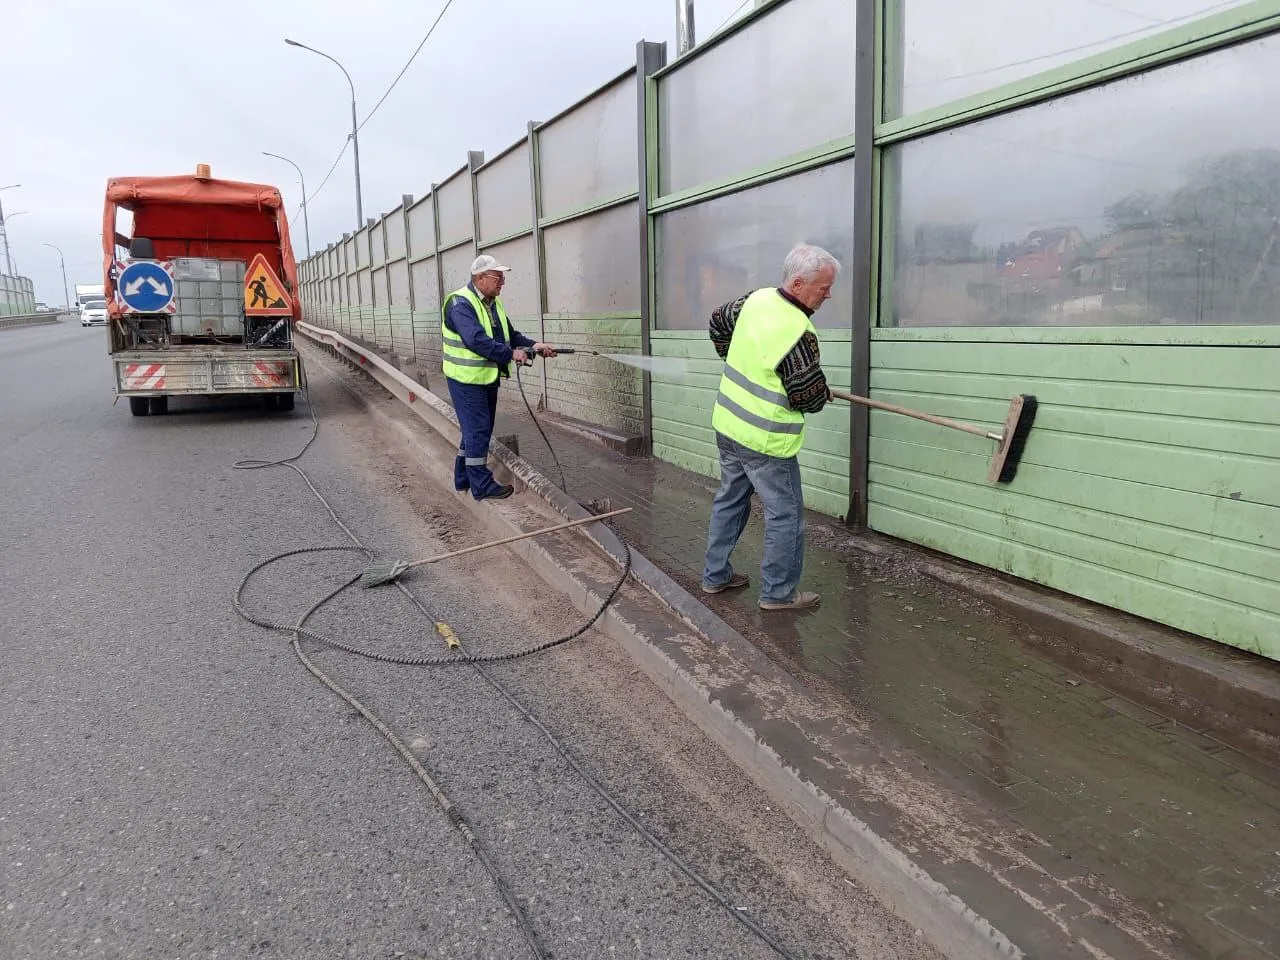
450 638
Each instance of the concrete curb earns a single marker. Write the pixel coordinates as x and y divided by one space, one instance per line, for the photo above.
34 320
907 889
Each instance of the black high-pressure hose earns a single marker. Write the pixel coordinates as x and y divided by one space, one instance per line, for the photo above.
297 631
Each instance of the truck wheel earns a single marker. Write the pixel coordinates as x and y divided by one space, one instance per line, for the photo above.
139 406
285 400
159 406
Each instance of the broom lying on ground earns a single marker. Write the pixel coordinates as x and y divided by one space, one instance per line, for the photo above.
385 571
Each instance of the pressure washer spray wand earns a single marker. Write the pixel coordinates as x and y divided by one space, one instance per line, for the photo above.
560 353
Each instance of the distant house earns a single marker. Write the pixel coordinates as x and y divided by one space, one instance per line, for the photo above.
1043 255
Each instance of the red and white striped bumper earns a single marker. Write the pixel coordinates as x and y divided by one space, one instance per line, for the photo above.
206 375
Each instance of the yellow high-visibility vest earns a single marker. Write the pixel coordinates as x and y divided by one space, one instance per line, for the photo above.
461 363
752 406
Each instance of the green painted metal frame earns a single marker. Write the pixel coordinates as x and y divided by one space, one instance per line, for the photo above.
475 201
498 241
867 78
454 245
1207 335
582 101
825 334
821 156
1217 31
596 206
650 58
539 250
505 151
435 237
1212 32
569 317
762 10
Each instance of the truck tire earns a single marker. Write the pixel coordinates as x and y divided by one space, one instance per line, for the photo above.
139 406
285 400
159 406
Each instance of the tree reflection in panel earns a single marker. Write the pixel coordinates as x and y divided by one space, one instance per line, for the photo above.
1152 200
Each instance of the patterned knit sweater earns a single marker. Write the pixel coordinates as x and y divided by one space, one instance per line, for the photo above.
800 370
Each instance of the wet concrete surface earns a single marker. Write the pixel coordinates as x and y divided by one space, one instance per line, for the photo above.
174 784
1176 831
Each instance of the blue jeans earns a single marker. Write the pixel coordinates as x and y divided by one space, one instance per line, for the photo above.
476 406
777 481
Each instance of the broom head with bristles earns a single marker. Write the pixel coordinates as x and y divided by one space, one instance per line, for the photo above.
382 571
1017 424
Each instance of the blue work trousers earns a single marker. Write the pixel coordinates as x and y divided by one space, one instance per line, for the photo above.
476 406
777 481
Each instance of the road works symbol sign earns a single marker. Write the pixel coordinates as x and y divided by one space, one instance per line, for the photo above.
146 286
264 294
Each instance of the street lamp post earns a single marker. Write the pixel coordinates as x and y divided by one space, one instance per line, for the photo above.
62 261
306 221
355 128
684 27
8 264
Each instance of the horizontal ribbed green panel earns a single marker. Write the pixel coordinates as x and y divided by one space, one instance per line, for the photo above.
683 397
594 389
1150 482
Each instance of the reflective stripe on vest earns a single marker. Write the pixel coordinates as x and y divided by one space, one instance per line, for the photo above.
752 407
461 363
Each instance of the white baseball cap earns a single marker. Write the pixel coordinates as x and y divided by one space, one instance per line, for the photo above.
484 263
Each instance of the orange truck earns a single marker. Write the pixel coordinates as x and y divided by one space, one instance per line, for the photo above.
201 290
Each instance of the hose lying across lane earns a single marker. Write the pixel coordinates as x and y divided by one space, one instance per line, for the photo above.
298 631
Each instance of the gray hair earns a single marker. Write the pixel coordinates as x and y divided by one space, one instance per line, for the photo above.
805 260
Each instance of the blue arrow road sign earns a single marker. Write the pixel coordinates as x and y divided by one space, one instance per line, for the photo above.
145 287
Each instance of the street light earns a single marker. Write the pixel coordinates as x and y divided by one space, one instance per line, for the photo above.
66 298
306 221
355 129
8 264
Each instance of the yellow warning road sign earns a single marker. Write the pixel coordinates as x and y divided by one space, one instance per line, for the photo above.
264 294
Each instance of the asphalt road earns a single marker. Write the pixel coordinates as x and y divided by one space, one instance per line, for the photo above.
174 785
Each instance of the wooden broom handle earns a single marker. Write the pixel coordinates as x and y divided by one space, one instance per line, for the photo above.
521 536
929 417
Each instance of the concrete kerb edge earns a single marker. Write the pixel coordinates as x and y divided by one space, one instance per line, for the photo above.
908 890
13 323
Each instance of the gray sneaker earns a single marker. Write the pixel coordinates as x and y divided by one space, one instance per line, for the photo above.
735 582
800 600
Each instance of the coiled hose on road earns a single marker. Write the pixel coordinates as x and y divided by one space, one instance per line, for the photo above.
298 631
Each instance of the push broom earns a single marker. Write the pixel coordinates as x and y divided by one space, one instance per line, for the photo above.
1010 441
385 571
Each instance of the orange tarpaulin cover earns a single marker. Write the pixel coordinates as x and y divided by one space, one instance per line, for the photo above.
191 217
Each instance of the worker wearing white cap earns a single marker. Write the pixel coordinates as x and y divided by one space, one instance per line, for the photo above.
479 346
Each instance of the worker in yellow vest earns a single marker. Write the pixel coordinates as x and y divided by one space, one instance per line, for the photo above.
479 346
772 378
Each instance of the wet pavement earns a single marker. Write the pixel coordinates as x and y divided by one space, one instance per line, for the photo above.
1154 816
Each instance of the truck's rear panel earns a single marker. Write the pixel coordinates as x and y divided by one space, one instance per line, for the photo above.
203 370
202 293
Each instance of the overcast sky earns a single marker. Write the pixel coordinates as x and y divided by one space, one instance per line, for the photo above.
90 90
